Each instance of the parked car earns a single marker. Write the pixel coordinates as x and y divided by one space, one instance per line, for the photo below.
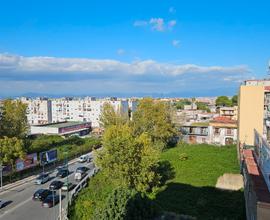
68 186
42 178
79 176
2 203
83 158
82 170
62 173
51 200
56 185
41 194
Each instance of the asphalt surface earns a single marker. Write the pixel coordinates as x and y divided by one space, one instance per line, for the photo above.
20 205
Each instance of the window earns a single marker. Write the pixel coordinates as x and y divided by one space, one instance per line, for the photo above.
229 131
217 130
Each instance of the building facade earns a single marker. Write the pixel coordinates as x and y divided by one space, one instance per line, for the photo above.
88 109
39 110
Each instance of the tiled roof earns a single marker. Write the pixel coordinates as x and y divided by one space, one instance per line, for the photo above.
258 183
222 119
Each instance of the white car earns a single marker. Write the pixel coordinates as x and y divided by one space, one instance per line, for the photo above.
2 203
83 158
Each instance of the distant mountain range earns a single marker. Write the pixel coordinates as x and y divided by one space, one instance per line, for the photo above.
194 93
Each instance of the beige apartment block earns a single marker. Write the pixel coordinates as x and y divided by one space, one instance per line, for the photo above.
250 113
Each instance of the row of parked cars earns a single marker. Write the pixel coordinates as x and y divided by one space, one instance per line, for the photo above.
48 197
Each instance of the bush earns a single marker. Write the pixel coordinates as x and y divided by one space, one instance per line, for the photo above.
124 204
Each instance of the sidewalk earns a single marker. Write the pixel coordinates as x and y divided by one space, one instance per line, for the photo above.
26 180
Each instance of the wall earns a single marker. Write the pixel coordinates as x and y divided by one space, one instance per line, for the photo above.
250 113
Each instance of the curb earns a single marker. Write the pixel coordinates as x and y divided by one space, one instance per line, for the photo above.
26 180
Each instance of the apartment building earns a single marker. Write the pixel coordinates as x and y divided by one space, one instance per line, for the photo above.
229 112
38 110
253 146
88 109
219 131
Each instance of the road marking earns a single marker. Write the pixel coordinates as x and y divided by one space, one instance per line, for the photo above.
15 207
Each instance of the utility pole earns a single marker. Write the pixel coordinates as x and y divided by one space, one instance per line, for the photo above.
67 181
1 175
60 204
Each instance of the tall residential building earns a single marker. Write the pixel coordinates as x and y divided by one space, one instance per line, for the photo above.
88 109
38 110
254 147
253 111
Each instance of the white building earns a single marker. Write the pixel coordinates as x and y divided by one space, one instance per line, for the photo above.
88 109
38 110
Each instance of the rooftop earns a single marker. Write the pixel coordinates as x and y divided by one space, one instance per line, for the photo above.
62 124
259 184
224 120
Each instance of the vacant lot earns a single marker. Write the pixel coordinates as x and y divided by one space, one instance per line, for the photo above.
192 190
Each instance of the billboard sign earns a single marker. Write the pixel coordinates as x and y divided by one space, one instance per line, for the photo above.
48 156
29 161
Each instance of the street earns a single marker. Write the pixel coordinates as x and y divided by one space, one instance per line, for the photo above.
20 205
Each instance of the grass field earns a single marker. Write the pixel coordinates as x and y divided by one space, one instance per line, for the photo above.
192 190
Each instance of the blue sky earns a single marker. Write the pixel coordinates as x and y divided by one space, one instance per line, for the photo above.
125 48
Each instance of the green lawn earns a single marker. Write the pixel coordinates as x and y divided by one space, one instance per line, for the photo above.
192 191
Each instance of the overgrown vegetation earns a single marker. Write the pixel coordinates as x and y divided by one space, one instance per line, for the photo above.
192 171
192 191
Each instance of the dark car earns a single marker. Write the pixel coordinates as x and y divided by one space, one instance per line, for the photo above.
55 185
51 200
41 194
62 173
82 170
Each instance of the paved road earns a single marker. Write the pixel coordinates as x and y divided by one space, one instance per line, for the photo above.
22 207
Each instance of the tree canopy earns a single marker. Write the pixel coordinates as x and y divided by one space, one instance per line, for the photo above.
155 119
226 101
10 150
235 100
202 106
180 104
124 203
13 120
130 160
223 101
111 117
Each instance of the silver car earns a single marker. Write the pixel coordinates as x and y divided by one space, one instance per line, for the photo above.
42 178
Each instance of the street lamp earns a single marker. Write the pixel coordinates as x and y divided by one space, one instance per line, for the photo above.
1 170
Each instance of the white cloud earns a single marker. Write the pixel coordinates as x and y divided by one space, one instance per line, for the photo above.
75 76
140 23
171 24
172 10
120 51
35 65
157 24
176 43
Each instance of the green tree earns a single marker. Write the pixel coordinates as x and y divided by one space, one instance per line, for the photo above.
111 117
155 119
223 101
124 204
234 100
202 106
180 104
130 161
13 120
10 150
